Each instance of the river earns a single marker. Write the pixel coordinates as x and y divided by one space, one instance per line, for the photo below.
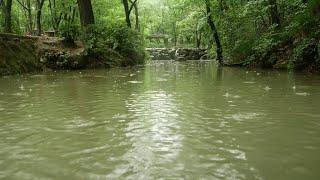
166 120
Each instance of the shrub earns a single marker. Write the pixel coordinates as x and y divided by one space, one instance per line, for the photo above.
128 44
306 55
70 32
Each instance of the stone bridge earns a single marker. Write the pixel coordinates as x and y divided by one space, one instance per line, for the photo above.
179 54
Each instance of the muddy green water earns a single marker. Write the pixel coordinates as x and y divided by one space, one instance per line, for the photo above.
165 120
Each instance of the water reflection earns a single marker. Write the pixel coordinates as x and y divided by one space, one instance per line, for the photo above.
154 133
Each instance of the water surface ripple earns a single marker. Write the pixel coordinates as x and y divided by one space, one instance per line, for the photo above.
166 120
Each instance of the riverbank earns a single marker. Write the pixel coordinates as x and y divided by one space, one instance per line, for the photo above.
298 55
24 54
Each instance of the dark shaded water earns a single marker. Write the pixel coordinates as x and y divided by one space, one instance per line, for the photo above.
166 120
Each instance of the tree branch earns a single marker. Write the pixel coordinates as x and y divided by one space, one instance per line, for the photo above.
23 6
132 5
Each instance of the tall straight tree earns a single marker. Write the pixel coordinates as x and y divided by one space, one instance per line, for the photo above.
39 5
30 19
198 35
86 12
6 7
214 32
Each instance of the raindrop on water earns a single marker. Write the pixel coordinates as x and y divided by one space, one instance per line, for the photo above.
303 94
226 95
21 87
267 88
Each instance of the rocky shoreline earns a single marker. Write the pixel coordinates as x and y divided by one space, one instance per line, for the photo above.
178 54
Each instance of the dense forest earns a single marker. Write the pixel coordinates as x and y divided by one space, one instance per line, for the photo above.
259 33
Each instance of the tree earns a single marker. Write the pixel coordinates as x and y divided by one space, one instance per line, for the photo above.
39 5
214 32
26 6
86 12
275 19
198 35
55 16
134 4
128 11
6 9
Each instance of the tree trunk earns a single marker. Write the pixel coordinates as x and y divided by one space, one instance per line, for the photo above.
127 12
197 35
136 12
6 7
175 36
198 38
54 17
38 16
30 20
86 12
38 22
26 6
275 19
214 32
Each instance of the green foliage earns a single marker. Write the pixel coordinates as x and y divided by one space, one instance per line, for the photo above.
249 37
306 54
70 31
246 29
126 44
1 20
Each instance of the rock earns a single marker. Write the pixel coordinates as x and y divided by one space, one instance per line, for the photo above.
180 54
180 58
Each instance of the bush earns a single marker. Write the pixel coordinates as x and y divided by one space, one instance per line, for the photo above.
70 32
252 40
127 44
306 55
